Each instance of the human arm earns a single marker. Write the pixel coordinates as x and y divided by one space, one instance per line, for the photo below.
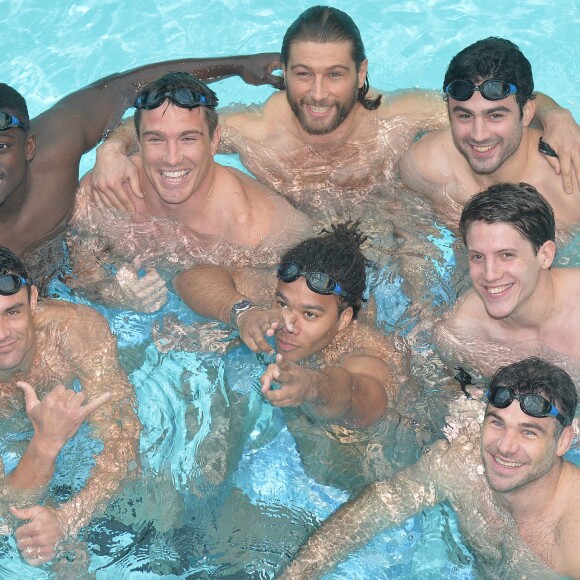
212 290
562 133
379 506
88 347
351 394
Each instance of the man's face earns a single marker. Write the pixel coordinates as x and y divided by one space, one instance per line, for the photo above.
16 328
16 150
314 316
488 133
518 449
176 151
503 268
322 84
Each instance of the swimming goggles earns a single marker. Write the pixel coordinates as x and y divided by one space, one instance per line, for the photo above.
11 283
318 282
184 97
492 90
533 405
8 121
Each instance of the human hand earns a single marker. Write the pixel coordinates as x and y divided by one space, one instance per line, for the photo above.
297 383
256 324
562 134
145 294
258 68
59 415
115 178
38 539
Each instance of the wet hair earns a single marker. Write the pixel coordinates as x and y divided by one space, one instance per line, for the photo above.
180 80
336 253
10 263
538 377
519 205
493 58
324 24
11 101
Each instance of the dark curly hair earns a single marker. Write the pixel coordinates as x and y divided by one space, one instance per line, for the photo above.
336 252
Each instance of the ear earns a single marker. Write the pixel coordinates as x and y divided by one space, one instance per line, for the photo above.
529 110
362 72
30 146
33 298
565 440
546 254
215 140
345 318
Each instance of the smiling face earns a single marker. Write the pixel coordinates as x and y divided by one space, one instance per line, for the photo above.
503 268
488 133
16 150
517 449
322 84
314 317
16 328
177 152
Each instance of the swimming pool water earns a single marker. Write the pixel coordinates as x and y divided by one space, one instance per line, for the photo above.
51 50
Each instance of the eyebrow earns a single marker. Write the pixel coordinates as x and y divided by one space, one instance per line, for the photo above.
182 134
531 425
334 66
13 306
303 306
501 108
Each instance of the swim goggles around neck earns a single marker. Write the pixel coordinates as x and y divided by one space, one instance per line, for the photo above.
11 283
184 97
533 405
492 90
7 121
317 281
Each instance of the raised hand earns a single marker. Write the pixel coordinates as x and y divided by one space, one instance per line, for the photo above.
297 384
145 294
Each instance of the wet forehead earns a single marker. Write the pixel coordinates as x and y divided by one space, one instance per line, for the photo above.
321 55
491 237
169 118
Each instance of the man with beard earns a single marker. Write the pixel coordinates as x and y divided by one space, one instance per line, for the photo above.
328 137
489 91
514 495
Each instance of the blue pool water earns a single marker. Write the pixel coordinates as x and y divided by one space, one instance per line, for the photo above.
247 525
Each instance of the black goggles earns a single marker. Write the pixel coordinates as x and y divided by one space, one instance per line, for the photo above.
7 121
185 98
318 282
11 283
532 405
492 90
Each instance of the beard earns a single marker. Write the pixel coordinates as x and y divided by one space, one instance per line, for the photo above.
314 126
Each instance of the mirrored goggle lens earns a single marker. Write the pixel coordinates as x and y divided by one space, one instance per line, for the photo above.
321 283
492 90
533 405
7 121
11 283
288 272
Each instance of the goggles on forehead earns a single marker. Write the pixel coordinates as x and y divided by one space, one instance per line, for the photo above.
7 121
318 282
11 284
492 90
530 404
184 97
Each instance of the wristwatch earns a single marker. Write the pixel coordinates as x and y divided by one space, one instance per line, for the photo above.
239 308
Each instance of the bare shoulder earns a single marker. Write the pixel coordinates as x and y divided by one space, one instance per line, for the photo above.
74 320
252 122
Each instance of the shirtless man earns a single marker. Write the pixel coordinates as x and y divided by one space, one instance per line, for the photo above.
490 99
44 346
333 368
327 137
214 213
514 495
519 306
39 158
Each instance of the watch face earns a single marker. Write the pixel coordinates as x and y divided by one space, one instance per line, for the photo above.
241 306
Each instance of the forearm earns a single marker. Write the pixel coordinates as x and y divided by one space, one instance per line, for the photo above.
208 290
35 468
547 109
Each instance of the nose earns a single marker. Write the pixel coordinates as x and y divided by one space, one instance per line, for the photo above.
172 153
318 89
479 130
507 443
290 319
491 270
